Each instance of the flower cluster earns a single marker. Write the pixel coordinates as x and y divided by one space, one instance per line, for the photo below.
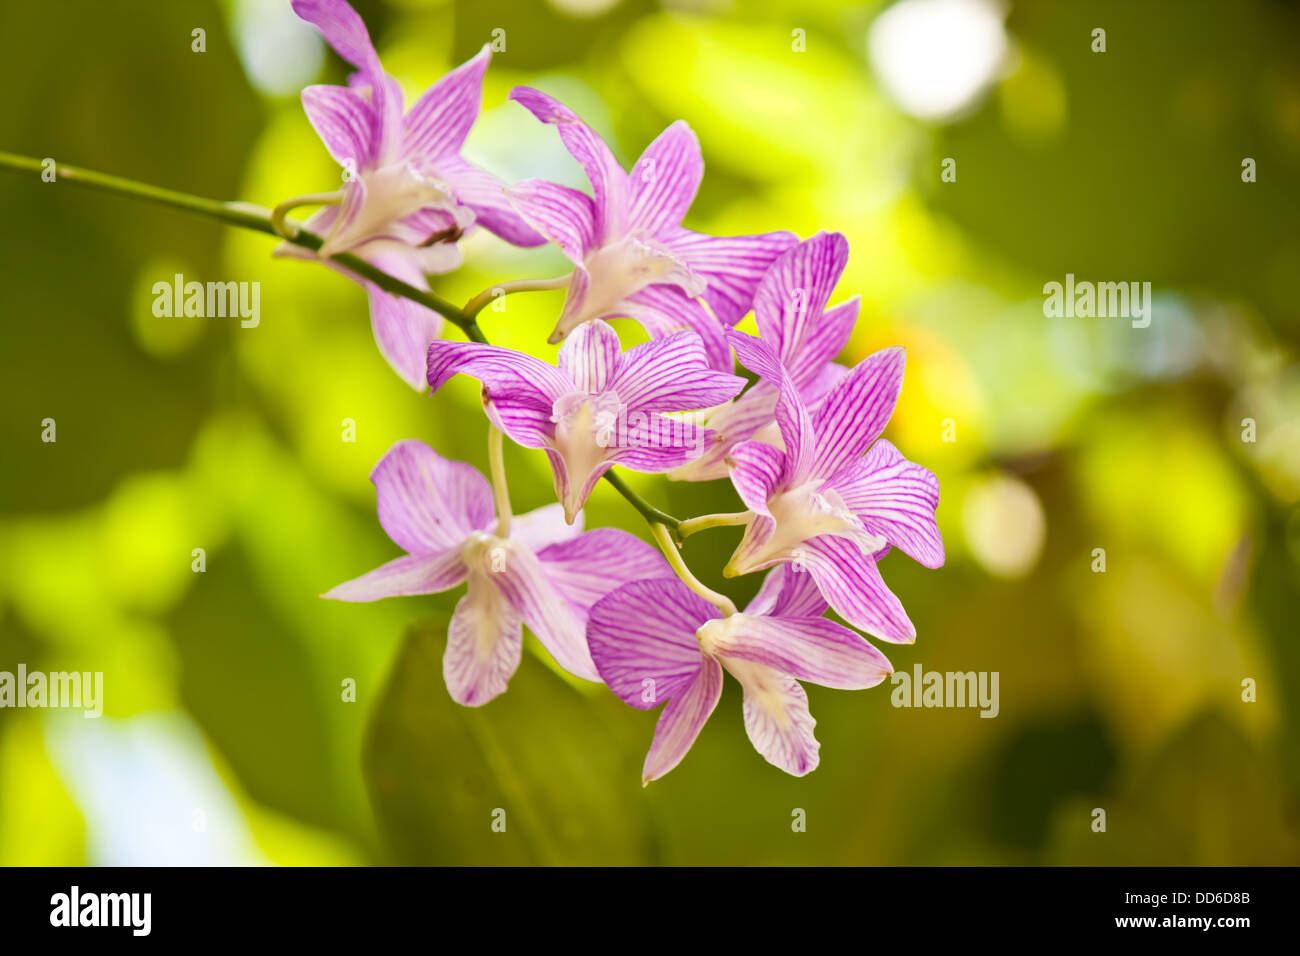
825 498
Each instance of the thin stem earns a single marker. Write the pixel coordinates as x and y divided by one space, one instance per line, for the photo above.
259 219
669 548
477 304
290 230
648 511
247 216
500 491
704 522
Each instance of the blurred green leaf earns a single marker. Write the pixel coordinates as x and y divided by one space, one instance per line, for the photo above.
439 772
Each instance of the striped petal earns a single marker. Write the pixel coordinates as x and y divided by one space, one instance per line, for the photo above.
403 329
733 265
344 121
664 310
609 182
793 295
807 648
776 717
813 369
439 121
654 443
523 584
484 642
896 499
665 179
404 576
681 721
642 638
731 424
428 504
342 28
589 357
543 527
756 471
856 410
345 31
564 216
792 417
520 391
486 195
672 375
788 591
851 584
587 567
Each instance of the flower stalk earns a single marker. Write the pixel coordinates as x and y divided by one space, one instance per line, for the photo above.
669 548
259 219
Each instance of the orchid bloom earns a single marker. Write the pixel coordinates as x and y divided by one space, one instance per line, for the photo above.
409 195
790 308
631 256
544 574
679 652
600 407
832 501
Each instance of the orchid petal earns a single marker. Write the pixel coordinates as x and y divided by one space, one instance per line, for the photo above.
756 472
589 357
655 444
439 121
856 410
543 527
428 504
563 215
830 336
407 575
486 195
521 390
672 375
791 416
665 179
682 719
403 329
851 584
574 484
587 567
794 293
731 424
733 265
342 28
344 121
484 642
664 310
523 583
896 499
776 717
609 182
788 591
807 648
642 638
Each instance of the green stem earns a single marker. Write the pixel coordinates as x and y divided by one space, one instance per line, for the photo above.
246 216
290 230
648 511
259 219
666 545
477 304
500 491
704 522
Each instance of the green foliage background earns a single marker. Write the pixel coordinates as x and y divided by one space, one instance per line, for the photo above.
225 737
